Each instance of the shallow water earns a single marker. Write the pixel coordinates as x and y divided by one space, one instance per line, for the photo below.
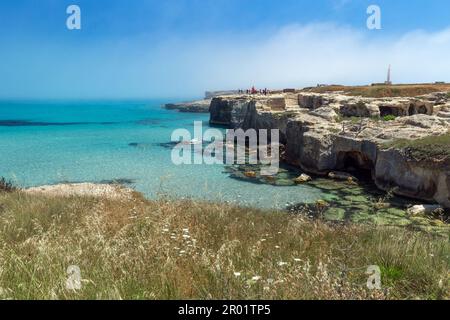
344 201
53 142
130 143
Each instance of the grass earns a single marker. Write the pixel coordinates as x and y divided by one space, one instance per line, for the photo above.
431 147
139 249
382 91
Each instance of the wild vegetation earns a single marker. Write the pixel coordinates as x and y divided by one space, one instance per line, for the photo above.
6 186
138 249
431 147
389 117
381 91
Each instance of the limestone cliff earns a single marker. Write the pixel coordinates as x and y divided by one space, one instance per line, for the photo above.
200 106
321 135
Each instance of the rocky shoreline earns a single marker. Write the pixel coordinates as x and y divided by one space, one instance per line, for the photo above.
325 132
199 106
96 190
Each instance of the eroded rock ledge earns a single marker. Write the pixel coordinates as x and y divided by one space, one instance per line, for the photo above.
200 106
323 132
108 191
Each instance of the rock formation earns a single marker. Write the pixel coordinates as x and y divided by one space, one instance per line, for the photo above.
325 132
200 106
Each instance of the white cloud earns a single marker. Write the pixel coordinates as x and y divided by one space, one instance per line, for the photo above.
293 56
298 56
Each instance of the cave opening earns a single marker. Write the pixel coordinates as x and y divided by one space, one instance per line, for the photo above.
390 111
356 163
422 110
414 109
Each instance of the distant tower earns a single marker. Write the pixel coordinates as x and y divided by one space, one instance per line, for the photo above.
388 81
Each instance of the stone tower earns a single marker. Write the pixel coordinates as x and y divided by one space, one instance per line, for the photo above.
388 81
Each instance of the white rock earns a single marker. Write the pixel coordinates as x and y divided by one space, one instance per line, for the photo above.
423 209
302 178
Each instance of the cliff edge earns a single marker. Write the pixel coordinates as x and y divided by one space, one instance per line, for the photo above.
324 132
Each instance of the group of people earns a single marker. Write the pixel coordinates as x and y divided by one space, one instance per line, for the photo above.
253 90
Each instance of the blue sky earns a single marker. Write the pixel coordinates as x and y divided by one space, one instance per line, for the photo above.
180 48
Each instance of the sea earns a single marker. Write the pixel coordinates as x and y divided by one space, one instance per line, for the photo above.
128 142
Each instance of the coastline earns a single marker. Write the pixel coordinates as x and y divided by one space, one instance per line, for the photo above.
310 124
107 191
332 131
198 106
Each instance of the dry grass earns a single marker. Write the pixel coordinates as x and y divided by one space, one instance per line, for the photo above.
382 91
136 249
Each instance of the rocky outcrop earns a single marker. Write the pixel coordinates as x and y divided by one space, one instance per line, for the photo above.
393 170
320 136
247 112
200 106
233 113
321 151
108 191
350 106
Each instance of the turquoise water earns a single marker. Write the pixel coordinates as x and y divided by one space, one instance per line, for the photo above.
53 142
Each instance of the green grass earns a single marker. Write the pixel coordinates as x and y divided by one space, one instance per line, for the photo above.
389 118
139 249
425 149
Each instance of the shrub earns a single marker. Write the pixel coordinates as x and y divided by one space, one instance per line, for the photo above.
389 117
6 186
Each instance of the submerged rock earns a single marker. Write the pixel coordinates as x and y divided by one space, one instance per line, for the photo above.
335 214
356 198
284 183
139 145
250 174
342 176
